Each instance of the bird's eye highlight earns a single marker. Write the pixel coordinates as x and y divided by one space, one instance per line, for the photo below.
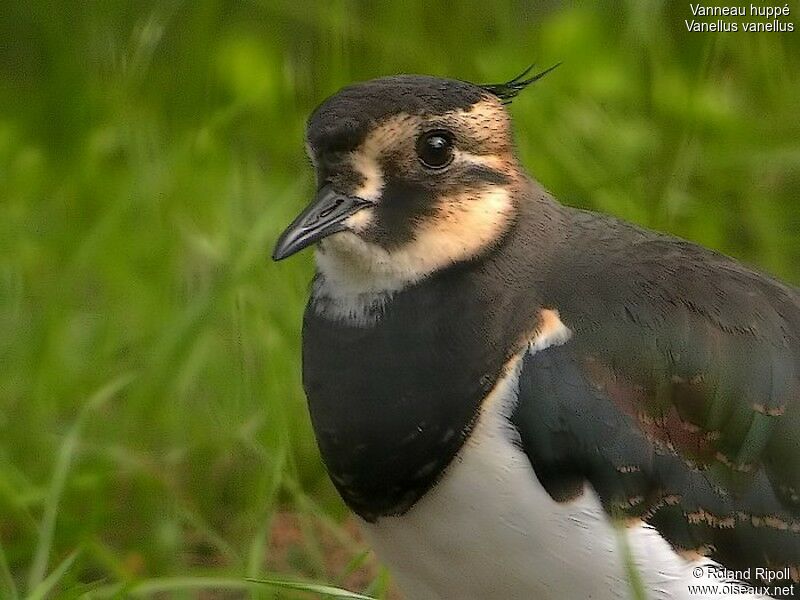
435 149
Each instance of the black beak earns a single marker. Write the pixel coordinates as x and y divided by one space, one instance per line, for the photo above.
324 216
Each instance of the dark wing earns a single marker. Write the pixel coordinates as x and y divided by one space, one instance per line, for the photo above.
677 399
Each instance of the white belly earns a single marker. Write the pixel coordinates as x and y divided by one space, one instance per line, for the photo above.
489 530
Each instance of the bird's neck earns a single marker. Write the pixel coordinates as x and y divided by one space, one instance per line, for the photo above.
393 399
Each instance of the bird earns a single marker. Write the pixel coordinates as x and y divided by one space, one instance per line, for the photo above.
520 399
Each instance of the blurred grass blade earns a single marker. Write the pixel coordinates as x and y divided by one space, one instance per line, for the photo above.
44 588
258 546
181 584
635 581
325 590
380 585
354 564
63 462
166 587
8 588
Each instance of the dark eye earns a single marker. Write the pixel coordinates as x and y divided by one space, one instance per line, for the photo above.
435 149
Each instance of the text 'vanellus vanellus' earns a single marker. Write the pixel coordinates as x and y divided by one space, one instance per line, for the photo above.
505 389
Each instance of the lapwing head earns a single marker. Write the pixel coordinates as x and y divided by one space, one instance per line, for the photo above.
414 173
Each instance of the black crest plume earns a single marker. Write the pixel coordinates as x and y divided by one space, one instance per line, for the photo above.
508 91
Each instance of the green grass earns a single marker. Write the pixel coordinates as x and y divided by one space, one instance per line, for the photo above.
152 422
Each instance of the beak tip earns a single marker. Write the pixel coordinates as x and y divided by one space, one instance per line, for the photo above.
323 217
282 250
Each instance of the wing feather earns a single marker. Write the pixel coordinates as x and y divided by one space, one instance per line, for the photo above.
677 399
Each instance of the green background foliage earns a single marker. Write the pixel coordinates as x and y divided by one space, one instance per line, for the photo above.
151 413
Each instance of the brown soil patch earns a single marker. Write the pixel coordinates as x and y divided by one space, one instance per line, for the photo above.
321 551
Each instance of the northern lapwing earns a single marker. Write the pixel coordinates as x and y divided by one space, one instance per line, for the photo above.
521 400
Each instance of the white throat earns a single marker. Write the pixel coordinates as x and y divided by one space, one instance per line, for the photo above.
356 280
358 277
